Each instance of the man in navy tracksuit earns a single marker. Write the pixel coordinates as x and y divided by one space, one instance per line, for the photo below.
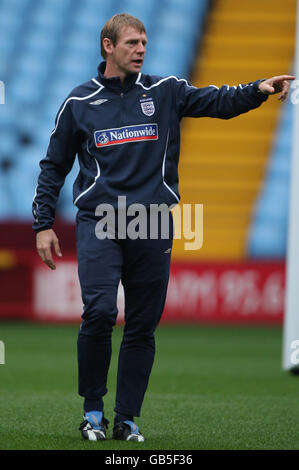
125 128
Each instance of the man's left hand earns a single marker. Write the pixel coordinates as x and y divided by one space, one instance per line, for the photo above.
274 85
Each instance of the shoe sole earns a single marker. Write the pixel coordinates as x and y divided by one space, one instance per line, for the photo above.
93 435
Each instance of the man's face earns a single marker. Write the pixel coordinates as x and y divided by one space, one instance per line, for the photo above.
127 55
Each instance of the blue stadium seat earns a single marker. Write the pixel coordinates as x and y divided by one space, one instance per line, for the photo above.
42 135
272 241
9 24
268 233
57 7
273 205
17 7
280 168
47 20
145 11
8 143
8 117
100 10
29 122
40 42
59 89
6 202
31 67
175 16
74 65
26 171
7 48
77 42
84 21
25 91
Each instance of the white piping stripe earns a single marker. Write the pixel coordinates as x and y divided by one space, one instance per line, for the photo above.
235 87
163 170
244 86
36 204
87 147
161 81
75 98
71 98
95 81
90 187
182 80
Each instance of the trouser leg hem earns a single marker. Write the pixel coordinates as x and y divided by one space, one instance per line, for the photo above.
127 411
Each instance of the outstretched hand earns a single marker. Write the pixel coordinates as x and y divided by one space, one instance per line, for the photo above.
45 240
274 85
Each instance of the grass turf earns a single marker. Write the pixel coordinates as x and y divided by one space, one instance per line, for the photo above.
210 388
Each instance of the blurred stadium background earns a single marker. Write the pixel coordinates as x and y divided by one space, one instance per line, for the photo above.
238 169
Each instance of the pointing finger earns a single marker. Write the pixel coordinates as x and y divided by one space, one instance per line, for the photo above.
284 77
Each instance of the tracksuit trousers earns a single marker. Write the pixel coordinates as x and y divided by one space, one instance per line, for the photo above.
143 267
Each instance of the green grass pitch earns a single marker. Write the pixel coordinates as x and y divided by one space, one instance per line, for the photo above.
210 388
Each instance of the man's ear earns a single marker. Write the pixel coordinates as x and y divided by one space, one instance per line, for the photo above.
107 45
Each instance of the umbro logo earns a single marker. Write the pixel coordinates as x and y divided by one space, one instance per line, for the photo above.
168 251
98 102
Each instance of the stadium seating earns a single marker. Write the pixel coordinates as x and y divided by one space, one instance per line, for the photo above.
49 47
223 163
41 43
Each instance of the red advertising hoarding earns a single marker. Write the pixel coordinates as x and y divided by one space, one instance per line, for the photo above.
198 292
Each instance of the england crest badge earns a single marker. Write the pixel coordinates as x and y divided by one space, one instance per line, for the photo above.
147 106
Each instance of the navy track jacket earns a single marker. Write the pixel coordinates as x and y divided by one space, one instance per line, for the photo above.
127 138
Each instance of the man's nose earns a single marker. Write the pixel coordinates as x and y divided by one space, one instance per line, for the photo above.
140 48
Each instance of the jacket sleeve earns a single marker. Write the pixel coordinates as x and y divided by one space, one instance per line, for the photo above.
224 103
54 167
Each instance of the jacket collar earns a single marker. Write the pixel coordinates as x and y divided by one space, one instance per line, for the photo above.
114 83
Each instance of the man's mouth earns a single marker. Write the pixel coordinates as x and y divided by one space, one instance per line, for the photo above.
137 61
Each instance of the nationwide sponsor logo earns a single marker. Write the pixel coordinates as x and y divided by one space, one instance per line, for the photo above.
123 135
147 106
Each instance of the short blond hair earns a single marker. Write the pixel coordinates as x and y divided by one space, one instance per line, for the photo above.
113 26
